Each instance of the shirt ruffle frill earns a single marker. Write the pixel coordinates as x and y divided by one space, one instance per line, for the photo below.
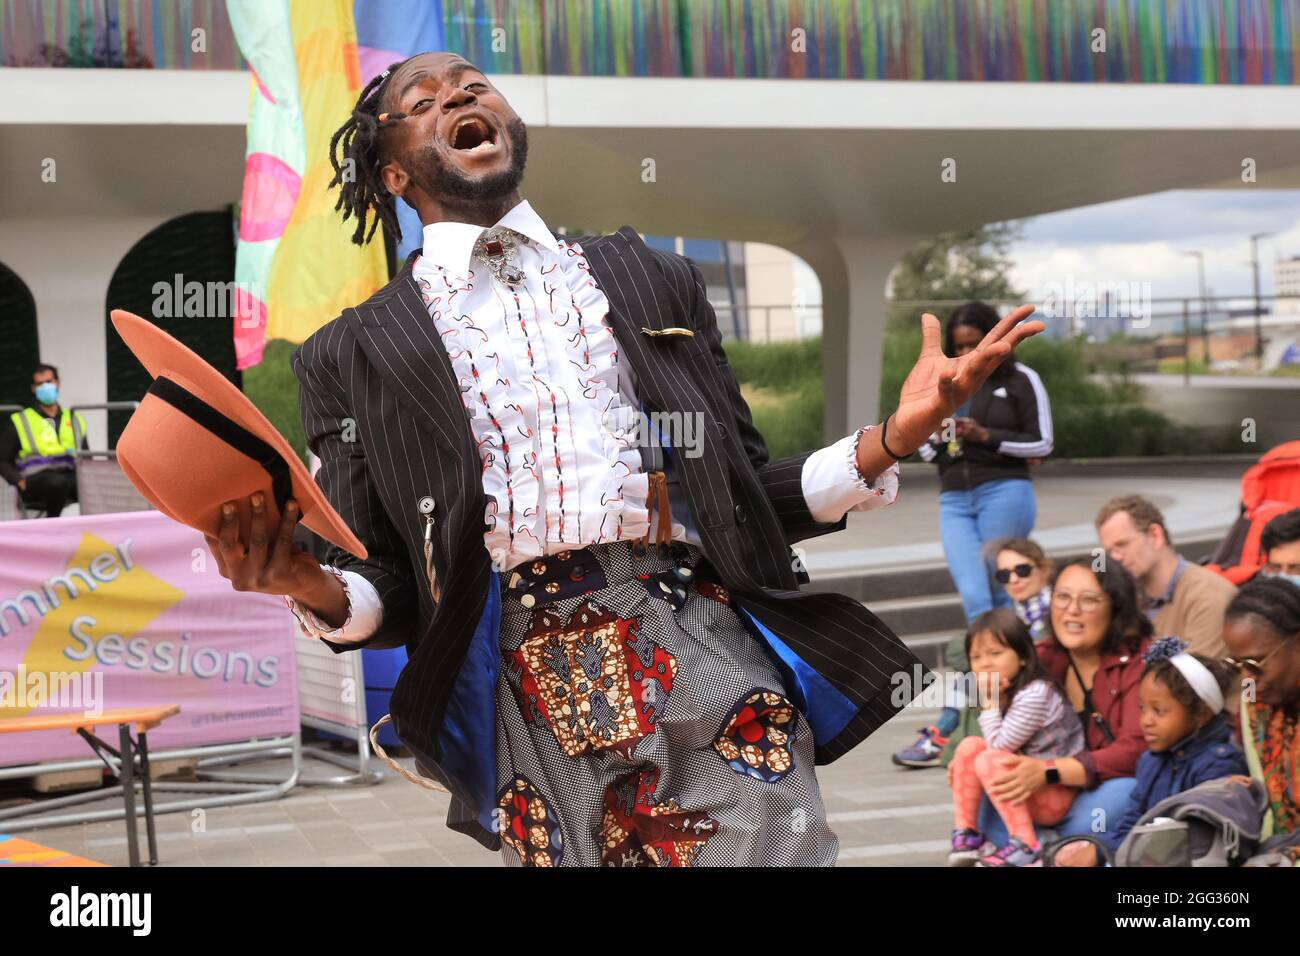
509 448
593 352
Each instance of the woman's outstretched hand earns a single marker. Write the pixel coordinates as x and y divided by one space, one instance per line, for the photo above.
937 384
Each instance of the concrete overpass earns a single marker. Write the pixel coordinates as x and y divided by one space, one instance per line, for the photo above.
844 173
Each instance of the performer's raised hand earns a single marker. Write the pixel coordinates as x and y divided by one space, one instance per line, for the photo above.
938 384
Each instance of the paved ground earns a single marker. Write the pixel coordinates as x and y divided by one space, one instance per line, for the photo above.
883 816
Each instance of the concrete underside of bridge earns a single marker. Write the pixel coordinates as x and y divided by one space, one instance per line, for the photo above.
845 174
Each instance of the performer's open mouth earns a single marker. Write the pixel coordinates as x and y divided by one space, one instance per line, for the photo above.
473 135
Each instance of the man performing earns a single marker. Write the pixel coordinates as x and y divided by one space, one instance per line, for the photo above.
610 660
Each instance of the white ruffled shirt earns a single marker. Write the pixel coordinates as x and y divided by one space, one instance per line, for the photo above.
554 411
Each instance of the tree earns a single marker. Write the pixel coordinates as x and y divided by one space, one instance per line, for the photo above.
954 266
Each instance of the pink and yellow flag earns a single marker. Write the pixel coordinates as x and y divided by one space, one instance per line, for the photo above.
296 267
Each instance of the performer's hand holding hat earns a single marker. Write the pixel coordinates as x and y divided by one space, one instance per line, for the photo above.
200 451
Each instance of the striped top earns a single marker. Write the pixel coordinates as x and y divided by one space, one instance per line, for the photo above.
1038 723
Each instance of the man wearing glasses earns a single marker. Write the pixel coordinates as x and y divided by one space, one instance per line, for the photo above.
1179 597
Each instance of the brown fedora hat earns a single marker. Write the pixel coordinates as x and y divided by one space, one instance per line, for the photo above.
196 441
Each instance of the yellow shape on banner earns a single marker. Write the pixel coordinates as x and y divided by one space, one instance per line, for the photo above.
120 595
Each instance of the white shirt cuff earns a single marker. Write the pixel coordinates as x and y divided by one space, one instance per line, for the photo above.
832 484
365 611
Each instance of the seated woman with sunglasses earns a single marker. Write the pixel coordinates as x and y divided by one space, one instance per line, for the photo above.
1023 570
1262 630
1093 647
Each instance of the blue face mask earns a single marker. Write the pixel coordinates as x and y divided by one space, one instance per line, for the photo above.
47 393
1293 578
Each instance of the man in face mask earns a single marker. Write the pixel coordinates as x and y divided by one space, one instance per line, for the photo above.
38 447
1280 543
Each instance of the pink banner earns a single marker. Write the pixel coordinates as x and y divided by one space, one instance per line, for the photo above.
128 610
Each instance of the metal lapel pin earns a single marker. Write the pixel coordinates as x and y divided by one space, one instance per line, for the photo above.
672 330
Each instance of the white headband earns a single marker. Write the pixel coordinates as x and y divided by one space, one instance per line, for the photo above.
1197 674
1202 681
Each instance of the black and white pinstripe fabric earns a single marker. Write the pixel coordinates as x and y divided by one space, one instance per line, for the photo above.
381 409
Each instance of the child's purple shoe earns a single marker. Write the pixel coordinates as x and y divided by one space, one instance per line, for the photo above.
1015 853
967 847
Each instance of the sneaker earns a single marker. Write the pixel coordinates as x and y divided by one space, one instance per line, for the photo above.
967 847
1015 853
925 752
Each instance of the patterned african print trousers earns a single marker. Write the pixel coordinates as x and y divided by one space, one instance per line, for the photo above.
640 724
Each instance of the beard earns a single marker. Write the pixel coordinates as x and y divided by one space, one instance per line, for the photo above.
440 180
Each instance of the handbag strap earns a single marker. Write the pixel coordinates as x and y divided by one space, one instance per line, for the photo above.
1097 718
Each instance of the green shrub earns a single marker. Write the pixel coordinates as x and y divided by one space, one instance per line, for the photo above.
779 365
1091 418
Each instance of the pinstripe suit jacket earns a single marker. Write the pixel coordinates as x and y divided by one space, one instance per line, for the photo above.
382 410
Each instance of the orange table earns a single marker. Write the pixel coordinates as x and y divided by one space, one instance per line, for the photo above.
143 719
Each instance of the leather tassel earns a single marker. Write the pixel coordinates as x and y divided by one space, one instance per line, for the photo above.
657 498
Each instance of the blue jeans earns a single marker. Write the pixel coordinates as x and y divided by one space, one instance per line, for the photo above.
969 520
1092 812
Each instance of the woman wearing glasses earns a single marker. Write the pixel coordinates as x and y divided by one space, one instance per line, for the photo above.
1093 648
1262 630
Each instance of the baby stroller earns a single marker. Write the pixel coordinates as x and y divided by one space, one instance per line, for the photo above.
1269 488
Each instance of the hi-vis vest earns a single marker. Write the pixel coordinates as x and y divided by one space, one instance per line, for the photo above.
40 447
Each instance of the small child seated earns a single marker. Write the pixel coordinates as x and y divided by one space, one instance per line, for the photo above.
1188 737
1023 711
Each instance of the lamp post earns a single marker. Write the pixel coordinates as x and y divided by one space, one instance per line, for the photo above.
1205 309
1259 329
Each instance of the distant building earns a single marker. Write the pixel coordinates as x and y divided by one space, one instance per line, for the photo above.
1286 285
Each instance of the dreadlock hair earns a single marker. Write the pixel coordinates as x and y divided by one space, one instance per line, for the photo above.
357 140
1274 600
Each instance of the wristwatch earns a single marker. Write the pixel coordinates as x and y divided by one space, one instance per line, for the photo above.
1053 775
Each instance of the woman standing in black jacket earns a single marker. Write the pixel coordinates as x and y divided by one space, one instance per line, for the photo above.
985 492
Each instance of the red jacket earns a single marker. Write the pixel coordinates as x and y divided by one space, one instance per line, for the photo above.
1115 696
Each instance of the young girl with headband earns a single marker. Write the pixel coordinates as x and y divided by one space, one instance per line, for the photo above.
1188 736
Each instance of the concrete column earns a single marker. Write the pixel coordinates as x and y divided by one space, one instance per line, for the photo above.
854 273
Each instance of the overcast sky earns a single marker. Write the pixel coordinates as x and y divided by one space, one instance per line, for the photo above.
1143 240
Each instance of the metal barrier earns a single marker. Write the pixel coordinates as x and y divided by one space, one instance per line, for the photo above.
332 697
249 789
102 487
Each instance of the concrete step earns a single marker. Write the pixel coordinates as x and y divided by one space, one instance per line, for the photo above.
919 603
872 584
921 615
928 646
